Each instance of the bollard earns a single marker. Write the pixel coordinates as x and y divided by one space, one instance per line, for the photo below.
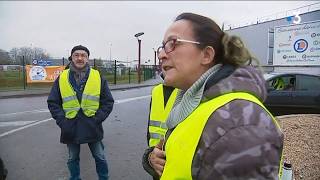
287 171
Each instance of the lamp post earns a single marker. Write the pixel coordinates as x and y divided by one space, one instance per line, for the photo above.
110 51
155 62
139 53
155 57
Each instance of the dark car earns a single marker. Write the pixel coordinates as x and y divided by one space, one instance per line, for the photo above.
293 93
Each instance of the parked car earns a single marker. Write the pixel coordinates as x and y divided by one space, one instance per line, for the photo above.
293 93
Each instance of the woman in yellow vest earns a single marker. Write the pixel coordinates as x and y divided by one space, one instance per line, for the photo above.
218 127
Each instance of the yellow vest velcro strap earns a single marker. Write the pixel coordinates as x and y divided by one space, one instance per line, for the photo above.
158 124
93 98
69 98
155 136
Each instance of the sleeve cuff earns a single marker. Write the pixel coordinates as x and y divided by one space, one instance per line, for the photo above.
146 165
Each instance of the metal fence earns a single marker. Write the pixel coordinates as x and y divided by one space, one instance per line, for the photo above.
13 77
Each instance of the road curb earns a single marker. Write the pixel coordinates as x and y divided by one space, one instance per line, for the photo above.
47 93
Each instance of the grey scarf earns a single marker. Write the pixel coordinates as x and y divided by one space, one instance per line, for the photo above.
187 101
79 74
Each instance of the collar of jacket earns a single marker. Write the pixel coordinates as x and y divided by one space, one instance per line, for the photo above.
187 101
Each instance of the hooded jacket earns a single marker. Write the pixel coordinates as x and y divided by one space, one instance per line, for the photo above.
239 141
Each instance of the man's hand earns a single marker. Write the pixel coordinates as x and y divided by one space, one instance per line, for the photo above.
157 158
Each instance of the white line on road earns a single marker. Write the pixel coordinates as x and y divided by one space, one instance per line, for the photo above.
15 123
46 110
30 124
22 112
24 127
130 99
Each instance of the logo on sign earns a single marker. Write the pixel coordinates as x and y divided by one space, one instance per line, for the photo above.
34 62
37 73
315 35
304 56
296 19
300 45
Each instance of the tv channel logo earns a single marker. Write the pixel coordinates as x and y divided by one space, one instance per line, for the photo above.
296 19
300 45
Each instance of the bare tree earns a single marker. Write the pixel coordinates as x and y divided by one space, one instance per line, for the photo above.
4 57
28 53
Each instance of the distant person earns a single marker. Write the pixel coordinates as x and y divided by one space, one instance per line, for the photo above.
79 101
278 84
162 101
290 86
218 127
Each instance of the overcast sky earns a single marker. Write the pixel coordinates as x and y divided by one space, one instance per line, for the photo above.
110 25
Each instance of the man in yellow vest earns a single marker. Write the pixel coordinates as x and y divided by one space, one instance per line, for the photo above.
162 101
80 100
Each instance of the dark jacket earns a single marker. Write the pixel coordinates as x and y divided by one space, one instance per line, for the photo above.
81 129
239 140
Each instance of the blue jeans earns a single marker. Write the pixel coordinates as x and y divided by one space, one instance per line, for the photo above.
97 151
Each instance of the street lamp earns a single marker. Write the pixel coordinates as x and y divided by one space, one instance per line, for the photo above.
110 51
139 52
155 62
155 57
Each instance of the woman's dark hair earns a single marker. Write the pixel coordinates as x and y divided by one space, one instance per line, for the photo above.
228 49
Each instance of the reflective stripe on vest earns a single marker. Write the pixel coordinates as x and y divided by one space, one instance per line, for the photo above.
159 114
182 142
90 97
279 84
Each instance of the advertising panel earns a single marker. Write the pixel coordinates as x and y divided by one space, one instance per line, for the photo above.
297 44
36 74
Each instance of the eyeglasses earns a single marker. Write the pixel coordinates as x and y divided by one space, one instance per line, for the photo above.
170 45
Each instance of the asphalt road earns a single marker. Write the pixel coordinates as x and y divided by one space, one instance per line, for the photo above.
30 147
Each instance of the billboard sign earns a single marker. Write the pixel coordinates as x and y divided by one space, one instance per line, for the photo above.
297 44
38 74
42 62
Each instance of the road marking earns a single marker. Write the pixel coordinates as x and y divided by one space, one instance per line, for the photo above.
24 127
46 110
15 123
33 111
130 99
33 123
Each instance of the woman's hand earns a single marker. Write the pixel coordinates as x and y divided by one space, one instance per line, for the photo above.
157 158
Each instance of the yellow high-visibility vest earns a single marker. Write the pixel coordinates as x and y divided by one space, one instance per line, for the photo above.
182 142
159 114
90 97
279 84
